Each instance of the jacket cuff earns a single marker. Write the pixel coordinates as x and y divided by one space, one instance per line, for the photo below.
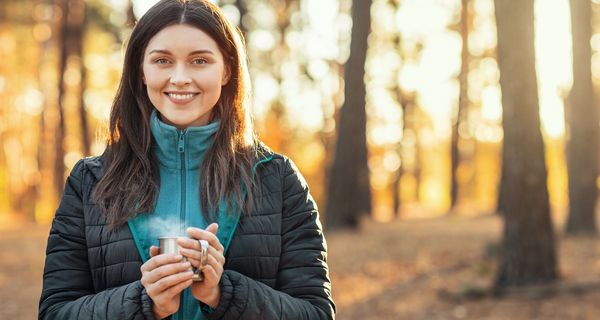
206 309
146 305
234 296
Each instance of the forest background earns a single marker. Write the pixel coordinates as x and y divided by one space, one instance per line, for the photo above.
453 143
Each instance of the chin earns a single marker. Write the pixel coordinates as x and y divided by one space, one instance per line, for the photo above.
180 119
181 124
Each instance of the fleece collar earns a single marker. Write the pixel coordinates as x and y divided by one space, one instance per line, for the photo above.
177 149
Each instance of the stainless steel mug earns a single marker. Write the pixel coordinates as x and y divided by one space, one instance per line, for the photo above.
169 245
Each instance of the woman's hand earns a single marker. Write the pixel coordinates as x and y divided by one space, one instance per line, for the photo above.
208 290
164 276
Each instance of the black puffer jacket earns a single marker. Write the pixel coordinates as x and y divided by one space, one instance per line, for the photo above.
275 267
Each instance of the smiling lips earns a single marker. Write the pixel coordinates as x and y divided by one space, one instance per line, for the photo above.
181 97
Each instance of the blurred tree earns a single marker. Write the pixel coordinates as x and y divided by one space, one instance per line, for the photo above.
18 169
59 134
243 9
277 112
406 100
349 193
271 61
463 102
79 22
44 69
500 203
582 126
5 205
528 255
70 40
409 110
130 15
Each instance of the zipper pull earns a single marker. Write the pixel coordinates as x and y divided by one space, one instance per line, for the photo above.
181 145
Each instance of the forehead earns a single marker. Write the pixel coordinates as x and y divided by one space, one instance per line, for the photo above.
182 38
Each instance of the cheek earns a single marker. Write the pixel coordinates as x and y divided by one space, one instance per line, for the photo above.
152 78
215 89
218 81
154 88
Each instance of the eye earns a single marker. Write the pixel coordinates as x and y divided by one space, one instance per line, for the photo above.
199 61
161 61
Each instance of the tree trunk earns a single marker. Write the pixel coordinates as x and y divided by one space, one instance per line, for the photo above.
407 103
130 15
349 188
582 126
528 253
463 103
59 134
418 168
397 175
241 6
86 141
78 26
500 203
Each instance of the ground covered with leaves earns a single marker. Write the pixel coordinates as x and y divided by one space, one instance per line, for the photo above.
440 268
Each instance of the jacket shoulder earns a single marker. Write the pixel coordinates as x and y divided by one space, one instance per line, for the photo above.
87 166
273 161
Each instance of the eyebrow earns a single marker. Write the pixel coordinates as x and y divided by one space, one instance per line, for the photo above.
191 53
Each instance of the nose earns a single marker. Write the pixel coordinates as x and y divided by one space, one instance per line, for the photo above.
180 76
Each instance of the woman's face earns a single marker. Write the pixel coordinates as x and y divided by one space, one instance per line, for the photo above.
184 71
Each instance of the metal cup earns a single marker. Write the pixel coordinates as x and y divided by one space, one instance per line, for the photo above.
203 259
169 245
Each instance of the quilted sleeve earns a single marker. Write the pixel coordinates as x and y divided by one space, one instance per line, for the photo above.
68 291
303 289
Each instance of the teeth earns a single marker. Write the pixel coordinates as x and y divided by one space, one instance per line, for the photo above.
181 96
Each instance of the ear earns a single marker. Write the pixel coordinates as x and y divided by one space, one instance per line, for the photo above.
226 75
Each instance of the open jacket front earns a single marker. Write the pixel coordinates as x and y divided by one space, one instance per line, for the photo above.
275 265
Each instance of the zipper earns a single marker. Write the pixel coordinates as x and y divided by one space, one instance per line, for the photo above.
181 150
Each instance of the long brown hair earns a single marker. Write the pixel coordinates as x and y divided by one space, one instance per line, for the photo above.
130 180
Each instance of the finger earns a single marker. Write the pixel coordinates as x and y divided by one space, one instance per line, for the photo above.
195 263
167 270
211 276
192 256
212 228
168 282
215 264
154 250
199 234
160 260
195 256
188 243
176 289
217 254
212 271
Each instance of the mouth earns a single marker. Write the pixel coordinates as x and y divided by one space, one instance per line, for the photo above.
181 97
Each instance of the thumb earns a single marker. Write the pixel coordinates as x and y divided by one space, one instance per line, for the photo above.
212 228
154 250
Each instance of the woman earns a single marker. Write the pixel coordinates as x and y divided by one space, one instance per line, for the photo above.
182 160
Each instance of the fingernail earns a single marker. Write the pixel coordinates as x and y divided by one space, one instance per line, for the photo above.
178 257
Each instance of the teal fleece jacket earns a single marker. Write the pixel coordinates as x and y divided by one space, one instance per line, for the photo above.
180 154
